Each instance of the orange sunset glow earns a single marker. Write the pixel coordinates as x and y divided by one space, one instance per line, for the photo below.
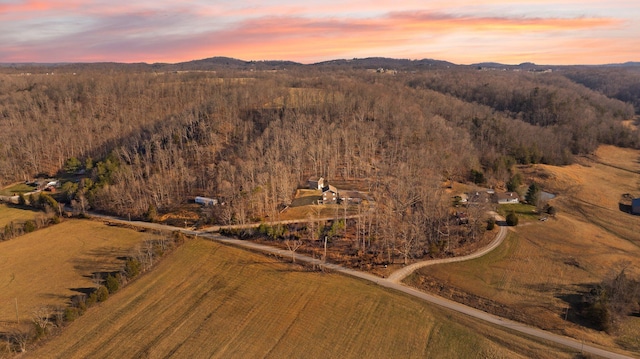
570 32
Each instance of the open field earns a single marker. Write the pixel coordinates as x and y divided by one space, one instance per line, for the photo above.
524 211
16 189
46 267
10 214
207 300
542 266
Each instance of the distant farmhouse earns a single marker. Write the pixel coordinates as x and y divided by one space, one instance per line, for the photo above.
332 195
507 198
486 196
329 195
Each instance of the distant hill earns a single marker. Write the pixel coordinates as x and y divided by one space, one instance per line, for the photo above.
386 63
219 62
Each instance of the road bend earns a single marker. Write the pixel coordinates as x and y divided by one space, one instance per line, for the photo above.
394 283
403 272
579 346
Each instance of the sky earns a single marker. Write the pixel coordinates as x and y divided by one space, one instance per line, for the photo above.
559 32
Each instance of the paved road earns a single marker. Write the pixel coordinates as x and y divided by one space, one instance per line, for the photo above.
395 285
402 273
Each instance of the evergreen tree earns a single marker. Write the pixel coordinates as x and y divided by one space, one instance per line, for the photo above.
151 214
533 193
512 219
514 182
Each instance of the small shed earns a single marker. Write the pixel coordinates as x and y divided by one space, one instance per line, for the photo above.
316 183
206 201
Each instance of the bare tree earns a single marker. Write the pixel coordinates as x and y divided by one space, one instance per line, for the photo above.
293 245
41 318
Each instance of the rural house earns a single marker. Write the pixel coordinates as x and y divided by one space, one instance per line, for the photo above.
316 183
507 198
329 195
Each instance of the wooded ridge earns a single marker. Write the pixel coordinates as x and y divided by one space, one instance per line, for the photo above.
135 138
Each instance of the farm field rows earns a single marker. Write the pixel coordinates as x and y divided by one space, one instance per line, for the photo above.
541 269
46 267
207 300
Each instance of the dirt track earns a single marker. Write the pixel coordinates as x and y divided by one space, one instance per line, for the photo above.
393 283
402 273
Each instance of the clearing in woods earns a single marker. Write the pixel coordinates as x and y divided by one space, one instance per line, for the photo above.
48 266
539 272
207 300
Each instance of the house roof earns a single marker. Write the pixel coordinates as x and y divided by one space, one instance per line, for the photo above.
330 188
316 179
635 202
507 196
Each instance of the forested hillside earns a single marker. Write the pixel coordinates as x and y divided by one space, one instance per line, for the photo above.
146 138
620 82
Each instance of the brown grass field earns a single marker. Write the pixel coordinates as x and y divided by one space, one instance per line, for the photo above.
16 188
208 300
42 268
16 215
542 265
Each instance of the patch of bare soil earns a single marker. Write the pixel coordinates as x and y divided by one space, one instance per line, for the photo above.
187 215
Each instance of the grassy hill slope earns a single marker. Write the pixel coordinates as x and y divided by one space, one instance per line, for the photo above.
211 301
543 268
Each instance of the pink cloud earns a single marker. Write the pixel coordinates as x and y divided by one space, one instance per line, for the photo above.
172 33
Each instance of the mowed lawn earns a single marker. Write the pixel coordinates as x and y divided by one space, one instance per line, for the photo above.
541 266
16 215
43 268
207 300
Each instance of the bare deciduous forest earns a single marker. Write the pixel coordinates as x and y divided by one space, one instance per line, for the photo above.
142 139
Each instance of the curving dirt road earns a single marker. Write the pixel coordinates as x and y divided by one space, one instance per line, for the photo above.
402 273
460 308
394 283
